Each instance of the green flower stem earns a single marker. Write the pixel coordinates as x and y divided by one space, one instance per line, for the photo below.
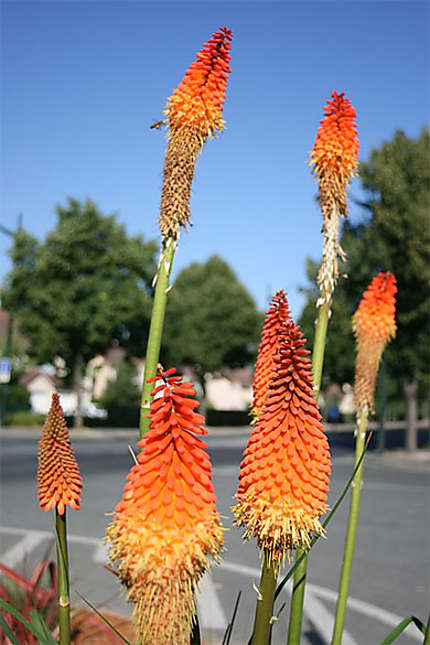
319 345
297 598
345 575
264 611
156 329
298 595
63 578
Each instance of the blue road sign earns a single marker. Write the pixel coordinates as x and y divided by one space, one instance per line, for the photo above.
5 364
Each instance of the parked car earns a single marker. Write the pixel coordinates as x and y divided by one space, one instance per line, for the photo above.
93 411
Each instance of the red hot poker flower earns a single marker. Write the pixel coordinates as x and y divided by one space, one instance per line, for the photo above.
277 314
374 326
335 152
58 480
167 524
284 474
196 104
194 113
334 157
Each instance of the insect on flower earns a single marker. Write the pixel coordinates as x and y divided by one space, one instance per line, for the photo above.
156 125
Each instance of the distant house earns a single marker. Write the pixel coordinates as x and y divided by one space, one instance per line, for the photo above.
102 370
42 383
41 386
231 390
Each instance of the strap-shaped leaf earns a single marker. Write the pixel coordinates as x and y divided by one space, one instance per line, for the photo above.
35 630
401 627
105 620
195 634
40 624
229 630
5 627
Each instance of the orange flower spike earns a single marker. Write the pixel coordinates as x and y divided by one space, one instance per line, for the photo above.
374 326
193 113
58 480
334 157
197 102
335 151
277 314
167 524
284 474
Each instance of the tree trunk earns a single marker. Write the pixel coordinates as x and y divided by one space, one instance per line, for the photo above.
77 386
411 394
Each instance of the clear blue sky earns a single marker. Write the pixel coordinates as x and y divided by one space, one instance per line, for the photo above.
82 82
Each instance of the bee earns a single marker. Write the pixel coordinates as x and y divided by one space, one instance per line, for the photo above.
156 125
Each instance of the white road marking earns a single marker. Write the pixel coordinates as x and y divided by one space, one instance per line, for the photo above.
211 613
101 553
16 554
322 619
32 538
384 616
362 607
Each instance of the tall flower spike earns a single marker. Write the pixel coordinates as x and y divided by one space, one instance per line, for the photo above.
167 524
374 326
277 314
193 113
334 158
284 474
58 480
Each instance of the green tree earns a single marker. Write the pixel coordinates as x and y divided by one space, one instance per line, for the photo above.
211 320
339 353
393 236
124 389
85 288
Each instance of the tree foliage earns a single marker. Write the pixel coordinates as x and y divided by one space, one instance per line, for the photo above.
394 235
211 320
83 289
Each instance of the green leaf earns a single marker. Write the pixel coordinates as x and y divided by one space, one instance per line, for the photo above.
326 521
195 634
401 627
427 636
27 624
7 631
229 630
40 624
87 602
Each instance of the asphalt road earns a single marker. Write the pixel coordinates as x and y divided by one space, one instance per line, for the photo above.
391 567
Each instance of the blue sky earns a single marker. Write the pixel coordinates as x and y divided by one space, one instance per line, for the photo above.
83 81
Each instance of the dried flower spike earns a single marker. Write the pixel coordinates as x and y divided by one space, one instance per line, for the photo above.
334 158
167 524
193 113
374 326
277 314
58 480
284 474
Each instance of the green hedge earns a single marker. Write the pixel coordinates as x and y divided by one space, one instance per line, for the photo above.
227 418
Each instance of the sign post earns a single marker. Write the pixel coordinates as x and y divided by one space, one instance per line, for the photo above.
5 368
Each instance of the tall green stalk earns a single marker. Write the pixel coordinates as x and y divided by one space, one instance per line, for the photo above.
156 328
264 610
298 595
63 578
345 575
